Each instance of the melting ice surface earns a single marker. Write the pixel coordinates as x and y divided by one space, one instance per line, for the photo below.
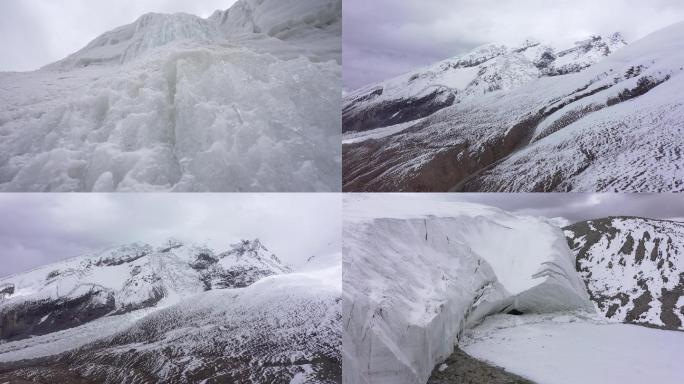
246 100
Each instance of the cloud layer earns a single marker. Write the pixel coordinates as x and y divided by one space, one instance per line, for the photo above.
38 229
34 33
573 207
384 38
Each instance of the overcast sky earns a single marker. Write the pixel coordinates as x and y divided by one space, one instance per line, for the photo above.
38 229
34 33
573 207
384 38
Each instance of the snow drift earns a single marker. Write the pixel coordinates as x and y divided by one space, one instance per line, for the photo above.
417 273
246 100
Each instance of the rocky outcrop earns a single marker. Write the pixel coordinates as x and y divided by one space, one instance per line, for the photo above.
633 268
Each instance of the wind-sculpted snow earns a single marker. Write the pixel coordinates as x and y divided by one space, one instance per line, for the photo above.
417 273
612 123
124 279
633 268
179 103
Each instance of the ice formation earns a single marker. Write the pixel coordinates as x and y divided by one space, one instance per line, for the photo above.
418 272
246 100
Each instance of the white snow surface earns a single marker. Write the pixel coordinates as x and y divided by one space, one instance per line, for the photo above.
418 272
180 103
575 348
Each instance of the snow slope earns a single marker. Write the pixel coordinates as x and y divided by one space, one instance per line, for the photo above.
177 313
569 349
633 268
180 103
418 272
280 329
613 125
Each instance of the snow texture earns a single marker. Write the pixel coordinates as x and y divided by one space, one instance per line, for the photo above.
571 348
601 116
418 272
246 100
177 313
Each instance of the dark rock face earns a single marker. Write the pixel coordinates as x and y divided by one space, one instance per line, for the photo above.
358 118
607 250
40 318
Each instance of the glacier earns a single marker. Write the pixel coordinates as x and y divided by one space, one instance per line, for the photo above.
603 116
245 100
175 312
418 273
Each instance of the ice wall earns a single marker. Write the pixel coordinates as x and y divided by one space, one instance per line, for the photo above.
417 273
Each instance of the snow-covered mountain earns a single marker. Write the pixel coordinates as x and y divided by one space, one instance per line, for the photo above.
633 268
178 313
418 273
245 100
599 116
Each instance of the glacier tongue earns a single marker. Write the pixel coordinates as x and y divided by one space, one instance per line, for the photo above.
417 273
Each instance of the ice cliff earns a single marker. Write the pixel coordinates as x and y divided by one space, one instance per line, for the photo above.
418 273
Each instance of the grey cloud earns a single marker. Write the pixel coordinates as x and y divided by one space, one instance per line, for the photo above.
41 228
384 38
576 207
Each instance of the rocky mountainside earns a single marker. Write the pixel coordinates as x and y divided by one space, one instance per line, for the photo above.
178 313
123 279
600 116
633 268
245 100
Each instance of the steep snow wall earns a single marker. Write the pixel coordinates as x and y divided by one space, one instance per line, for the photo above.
417 273
174 103
277 18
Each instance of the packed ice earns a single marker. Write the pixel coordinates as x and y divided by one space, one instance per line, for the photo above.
417 273
246 100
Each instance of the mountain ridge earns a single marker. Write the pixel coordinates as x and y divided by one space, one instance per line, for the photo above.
621 109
